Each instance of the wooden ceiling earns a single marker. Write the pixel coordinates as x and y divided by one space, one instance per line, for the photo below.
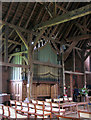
33 18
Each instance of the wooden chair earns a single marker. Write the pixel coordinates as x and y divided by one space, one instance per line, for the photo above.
48 100
56 109
34 101
40 102
18 105
65 99
47 106
31 111
13 103
70 99
25 107
56 100
13 113
61 100
84 114
1 109
40 112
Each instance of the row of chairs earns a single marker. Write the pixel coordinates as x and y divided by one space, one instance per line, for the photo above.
36 107
60 100
10 112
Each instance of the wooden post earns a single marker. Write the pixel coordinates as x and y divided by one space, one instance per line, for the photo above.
73 60
6 45
0 50
64 92
30 70
71 86
83 68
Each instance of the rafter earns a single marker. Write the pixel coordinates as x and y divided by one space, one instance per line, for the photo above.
18 7
1 26
23 13
6 17
77 38
66 17
30 15
15 26
18 53
68 51
82 27
55 47
79 54
74 43
22 38
12 41
61 7
48 10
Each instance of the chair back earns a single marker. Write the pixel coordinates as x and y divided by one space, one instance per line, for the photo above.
6 111
48 100
12 112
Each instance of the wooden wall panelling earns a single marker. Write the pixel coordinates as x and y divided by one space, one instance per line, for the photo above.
54 91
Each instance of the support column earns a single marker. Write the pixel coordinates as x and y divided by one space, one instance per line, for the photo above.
0 49
83 68
30 69
71 86
6 45
73 60
64 92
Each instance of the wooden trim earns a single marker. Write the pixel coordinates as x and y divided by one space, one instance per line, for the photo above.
74 73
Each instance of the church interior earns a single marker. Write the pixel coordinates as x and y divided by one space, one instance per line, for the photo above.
45 60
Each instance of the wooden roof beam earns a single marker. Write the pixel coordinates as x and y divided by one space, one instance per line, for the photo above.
80 12
18 53
73 44
48 10
12 41
27 22
7 14
80 37
22 38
